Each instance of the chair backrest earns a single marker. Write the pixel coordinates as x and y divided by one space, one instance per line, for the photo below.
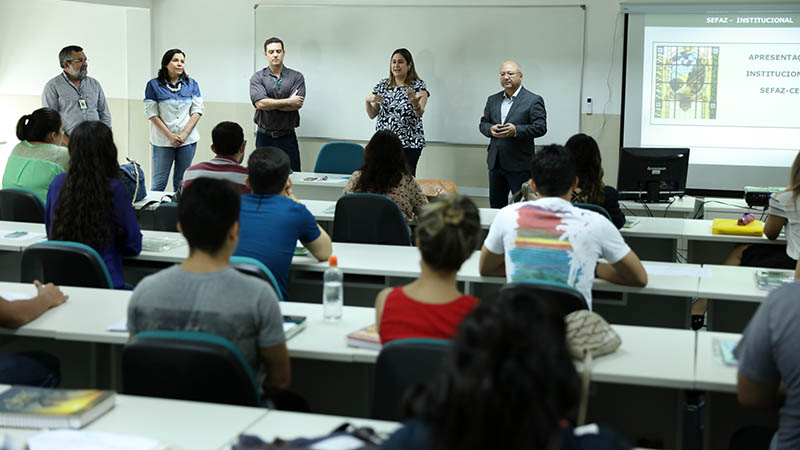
187 365
369 219
567 298
253 267
595 208
20 205
339 157
65 263
165 217
403 364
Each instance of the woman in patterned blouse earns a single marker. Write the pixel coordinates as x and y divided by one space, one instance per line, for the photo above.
399 102
384 171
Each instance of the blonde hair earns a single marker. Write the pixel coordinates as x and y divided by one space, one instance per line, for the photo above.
794 178
447 231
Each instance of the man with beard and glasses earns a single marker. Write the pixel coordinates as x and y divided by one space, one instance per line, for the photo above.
76 96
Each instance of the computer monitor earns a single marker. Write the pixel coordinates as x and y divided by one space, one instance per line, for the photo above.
652 174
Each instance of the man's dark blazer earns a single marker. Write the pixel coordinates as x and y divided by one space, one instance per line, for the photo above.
528 115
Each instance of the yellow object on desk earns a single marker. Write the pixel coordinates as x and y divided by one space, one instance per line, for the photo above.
730 226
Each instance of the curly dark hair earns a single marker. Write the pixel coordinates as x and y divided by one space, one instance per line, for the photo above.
589 167
506 383
384 164
85 211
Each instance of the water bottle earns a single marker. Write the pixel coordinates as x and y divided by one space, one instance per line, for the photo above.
332 292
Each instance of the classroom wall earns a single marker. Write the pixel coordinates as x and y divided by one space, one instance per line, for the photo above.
116 40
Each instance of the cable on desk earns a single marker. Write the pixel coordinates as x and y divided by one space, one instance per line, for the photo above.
670 204
628 209
647 209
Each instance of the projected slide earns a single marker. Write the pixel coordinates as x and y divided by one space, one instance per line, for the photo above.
727 86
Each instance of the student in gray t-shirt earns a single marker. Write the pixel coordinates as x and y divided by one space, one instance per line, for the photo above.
75 95
769 362
206 294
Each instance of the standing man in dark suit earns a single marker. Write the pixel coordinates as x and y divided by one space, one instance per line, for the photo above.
511 119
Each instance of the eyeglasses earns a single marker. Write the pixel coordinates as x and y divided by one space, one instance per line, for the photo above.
79 60
509 74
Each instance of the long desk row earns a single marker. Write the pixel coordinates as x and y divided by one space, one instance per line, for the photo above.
681 280
179 424
647 227
661 357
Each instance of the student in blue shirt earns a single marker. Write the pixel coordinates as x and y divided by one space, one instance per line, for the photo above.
272 220
90 204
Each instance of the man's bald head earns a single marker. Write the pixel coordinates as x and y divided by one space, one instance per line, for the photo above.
510 76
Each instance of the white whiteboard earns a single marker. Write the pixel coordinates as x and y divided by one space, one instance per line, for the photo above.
343 51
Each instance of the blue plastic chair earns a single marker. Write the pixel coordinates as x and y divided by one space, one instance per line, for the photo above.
21 205
565 297
369 219
65 263
188 365
403 364
253 267
339 157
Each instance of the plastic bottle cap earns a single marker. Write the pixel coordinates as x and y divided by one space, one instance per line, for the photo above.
333 261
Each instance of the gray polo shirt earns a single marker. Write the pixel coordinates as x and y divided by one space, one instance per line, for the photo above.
264 84
61 95
767 353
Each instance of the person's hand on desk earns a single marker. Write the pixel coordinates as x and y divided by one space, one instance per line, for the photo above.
50 293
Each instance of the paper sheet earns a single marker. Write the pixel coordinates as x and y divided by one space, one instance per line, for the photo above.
120 325
677 271
90 440
339 443
15 296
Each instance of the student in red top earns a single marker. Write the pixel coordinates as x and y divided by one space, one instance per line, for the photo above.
432 306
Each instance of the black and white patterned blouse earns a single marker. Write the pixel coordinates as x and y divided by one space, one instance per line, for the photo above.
397 115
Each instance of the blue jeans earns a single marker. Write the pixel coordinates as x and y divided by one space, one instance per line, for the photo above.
286 143
30 368
502 181
162 163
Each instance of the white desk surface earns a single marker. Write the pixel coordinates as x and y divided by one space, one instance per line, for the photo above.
682 205
16 245
648 356
700 230
177 423
291 425
151 196
732 283
710 372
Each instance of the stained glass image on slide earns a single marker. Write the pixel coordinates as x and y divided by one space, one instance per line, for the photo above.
685 82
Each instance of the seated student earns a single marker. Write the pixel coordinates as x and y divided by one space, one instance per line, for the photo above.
204 293
272 219
385 171
507 383
39 156
550 239
769 369
589 168
784 210
30 368
431 306
90 204
227 142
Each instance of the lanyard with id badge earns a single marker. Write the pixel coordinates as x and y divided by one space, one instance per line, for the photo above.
82 104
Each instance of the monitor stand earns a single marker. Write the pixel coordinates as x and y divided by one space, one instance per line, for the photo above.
653 190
